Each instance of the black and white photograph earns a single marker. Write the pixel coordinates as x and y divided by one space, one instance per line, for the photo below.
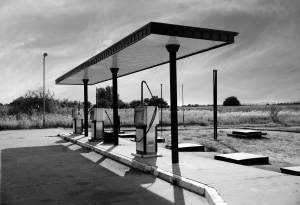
128 102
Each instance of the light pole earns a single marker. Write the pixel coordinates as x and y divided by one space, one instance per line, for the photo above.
45 54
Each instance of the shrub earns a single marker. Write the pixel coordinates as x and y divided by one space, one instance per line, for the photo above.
231 101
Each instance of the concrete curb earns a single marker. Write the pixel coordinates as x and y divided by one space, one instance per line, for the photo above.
211 195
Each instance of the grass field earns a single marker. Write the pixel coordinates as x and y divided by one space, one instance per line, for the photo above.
283 147
203 116
22 121
240 115
279 146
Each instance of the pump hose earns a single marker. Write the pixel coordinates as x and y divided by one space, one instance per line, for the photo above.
150 124
153 116
104 111
152 119
108 118
91 108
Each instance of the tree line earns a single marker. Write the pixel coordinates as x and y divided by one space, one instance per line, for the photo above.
32 102
104 98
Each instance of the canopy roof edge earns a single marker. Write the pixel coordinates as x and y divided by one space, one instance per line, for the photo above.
227 37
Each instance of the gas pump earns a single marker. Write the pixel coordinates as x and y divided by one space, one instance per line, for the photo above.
146 121
97 123
77 115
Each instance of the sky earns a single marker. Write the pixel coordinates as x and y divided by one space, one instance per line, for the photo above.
263 65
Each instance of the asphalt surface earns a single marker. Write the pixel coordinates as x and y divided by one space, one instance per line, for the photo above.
37 167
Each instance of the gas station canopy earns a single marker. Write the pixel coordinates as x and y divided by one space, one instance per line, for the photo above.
144 49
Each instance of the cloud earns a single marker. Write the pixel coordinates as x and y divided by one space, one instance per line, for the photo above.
262 64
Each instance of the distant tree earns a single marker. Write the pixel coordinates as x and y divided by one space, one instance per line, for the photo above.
134 103
156 101
104 98
32 101
88 103
231 101
123 105
68 103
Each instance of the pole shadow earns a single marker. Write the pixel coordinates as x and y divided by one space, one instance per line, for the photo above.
58 175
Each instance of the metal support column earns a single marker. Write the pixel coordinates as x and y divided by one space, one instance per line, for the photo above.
161 109
172 49
114 72
182 108
86 123
215 103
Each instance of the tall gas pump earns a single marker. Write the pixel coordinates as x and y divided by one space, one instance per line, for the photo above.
77 115
97 118
146 121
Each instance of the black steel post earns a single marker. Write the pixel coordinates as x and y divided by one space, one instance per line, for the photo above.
161 110
172 49
215 103
86 123
182 107
96 98
114 72
142 97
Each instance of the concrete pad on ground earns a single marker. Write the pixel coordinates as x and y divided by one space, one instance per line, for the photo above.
291 170
246 132
127 135
243 158
188 147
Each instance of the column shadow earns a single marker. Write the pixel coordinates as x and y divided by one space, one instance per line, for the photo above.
58 175
178 193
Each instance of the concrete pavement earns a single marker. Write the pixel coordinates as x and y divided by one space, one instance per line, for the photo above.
220 182
37 167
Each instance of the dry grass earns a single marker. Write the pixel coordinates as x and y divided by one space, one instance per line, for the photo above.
281 147
203 116
22 121
235 116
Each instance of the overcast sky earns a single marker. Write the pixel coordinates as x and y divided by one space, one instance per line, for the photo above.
263 65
